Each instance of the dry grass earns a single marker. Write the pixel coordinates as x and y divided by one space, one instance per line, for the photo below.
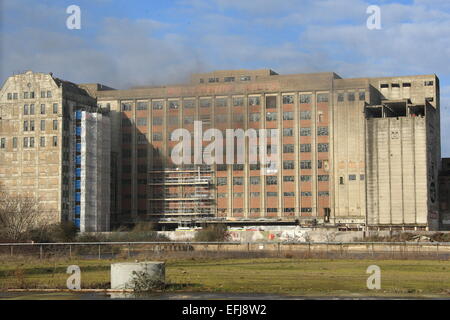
278 275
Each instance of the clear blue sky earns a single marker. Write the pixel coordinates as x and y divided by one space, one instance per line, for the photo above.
124 43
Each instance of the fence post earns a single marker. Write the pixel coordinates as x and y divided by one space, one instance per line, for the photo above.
70 251
11 249
129 253
99 252
437 250
40 252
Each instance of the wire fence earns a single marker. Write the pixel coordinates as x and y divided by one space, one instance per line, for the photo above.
138 250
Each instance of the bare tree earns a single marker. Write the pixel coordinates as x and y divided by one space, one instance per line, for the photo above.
18 215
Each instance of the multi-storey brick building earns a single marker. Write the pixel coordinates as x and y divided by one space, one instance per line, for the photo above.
55 149
351 152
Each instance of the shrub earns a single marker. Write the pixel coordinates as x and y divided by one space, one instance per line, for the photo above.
213 233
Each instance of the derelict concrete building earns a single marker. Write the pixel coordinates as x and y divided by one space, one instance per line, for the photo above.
55 148
350 153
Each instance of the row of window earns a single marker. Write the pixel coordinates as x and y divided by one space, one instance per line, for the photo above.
29 125
351 96
427 83
30 109
271 102
223 118
273 194
28 95
28 142
225 79
287 165
270 180
268 210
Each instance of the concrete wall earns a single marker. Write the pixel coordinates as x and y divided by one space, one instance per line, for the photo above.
397 171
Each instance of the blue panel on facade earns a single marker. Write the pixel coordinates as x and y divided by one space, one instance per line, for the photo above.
78 131
78 160
78 172
77 210
78 147
77 223
77 196
77 184
78 115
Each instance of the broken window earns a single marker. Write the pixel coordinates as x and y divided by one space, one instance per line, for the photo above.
322 147
305 98
305 147
271 180
322 97
288 99
205 103
253 101
157 105
406 84
238 101
305 164
289 194
305 178
246 78
288 132
288 148
189 103
384 85
305 115
288 115
395 85
271 116
305 132
288 164
362 95
126 106
271 102
221 102
229 79
417 111
351 96
428 83
322 131
142 105
174 104
238 181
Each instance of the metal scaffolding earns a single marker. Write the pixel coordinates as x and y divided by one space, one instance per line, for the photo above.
182 192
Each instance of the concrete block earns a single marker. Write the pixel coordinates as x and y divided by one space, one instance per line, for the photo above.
122 273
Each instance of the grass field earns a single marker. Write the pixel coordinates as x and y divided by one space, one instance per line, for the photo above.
305 277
